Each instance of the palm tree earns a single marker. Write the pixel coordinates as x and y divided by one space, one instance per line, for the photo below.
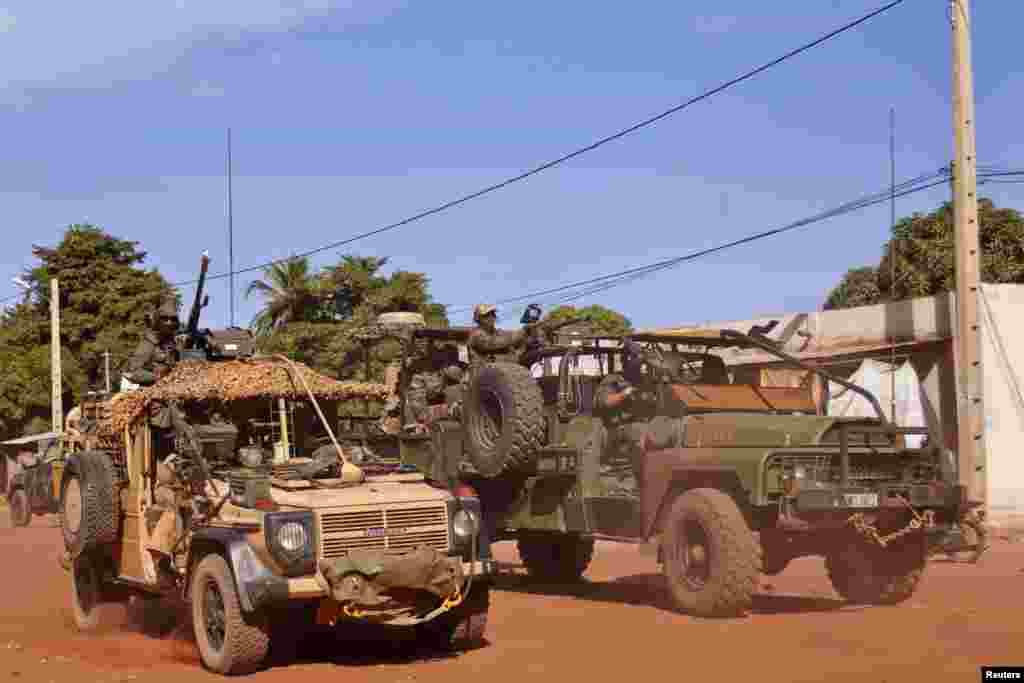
292 294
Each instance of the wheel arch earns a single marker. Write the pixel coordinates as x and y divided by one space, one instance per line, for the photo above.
254 583
684 479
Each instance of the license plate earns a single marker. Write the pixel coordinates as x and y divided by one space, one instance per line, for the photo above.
860 500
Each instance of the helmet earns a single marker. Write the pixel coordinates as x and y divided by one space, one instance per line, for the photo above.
168 307
480 310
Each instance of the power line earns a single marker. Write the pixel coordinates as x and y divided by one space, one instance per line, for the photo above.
562 159
608 281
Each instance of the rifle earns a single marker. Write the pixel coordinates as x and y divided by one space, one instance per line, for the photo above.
192 340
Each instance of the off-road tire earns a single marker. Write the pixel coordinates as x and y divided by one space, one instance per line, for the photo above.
86 592
555 558
465 626
731 558
21 513
92 519
513 444
246 638
865 574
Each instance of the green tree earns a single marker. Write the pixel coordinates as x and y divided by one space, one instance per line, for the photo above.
291 294
104 296
925 266
602 320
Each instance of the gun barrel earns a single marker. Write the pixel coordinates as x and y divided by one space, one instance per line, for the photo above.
197 304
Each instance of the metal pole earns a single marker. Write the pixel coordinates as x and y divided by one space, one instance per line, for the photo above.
971 454
892 257
106 368
231 238
57 408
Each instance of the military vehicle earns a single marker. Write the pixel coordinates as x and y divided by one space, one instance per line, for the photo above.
35 488
253 515
737 479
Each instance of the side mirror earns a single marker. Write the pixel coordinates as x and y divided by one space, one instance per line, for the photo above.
206 301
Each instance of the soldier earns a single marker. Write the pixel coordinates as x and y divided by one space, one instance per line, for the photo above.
487 342
156 353
435 379
623 408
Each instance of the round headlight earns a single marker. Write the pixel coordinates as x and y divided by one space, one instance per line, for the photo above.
292 537
799 472
464 524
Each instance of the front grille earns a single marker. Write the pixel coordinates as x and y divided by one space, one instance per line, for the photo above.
866 469
395 528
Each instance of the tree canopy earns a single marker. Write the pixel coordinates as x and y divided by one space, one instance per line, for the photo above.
602 320
925 265
104 297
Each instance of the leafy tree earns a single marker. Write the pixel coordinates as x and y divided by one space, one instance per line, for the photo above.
859 287
602 320
291 292
351 294
925 265
105 296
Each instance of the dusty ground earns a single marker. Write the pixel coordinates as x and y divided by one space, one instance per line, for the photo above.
616 627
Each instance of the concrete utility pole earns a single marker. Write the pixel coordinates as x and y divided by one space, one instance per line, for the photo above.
55 370
971 453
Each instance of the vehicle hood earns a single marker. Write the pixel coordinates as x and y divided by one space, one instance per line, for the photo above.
739 430
368 493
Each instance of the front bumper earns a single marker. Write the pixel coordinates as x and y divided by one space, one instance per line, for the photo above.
932 495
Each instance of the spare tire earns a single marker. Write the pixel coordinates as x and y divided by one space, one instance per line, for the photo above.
504 418
89 510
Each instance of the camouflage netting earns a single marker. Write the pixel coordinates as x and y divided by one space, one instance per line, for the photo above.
234 381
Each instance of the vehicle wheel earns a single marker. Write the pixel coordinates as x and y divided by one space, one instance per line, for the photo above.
21 513
88 510
230 642
872 575
555 558
86 592
712 560
464 627
503 418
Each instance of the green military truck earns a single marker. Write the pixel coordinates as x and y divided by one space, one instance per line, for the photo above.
737 480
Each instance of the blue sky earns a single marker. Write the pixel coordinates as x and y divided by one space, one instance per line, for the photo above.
347 116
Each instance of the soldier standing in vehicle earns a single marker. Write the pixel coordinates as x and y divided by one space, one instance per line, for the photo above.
156 353
487 342
438 376
622 408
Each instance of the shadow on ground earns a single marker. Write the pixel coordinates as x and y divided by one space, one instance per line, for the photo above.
650 590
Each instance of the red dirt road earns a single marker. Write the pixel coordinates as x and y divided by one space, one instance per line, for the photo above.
616 627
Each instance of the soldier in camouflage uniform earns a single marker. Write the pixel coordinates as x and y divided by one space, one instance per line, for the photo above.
156 353
624 409
436 379
488 343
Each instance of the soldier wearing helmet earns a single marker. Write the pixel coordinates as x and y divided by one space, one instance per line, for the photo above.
623 408
487 342
156 353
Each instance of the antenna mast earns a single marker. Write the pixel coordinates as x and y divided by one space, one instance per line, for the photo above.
231 238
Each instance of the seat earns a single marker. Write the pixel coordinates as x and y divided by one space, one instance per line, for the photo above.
713 371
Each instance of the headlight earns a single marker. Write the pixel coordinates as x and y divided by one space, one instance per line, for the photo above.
799 472
464 525
290 539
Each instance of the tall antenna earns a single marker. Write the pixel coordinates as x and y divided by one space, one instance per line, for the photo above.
231 238
892 257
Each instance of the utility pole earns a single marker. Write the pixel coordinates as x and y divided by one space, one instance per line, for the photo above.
971 453
57 407
106 368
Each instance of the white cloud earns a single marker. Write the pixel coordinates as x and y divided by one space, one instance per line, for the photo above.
716 24
96 44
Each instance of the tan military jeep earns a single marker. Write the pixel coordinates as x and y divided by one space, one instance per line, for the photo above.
270 523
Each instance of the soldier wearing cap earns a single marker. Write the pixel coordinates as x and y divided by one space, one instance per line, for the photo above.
436 379
487 342
156 353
